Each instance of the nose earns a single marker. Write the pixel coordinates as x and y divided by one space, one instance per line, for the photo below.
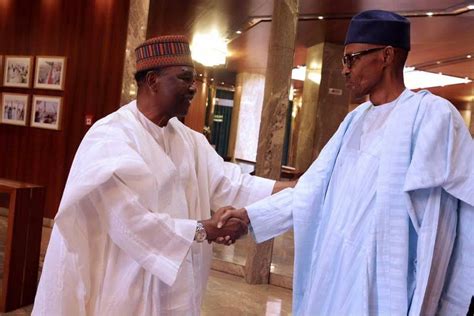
345 70
193 88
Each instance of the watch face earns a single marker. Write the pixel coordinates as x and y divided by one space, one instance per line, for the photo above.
200 233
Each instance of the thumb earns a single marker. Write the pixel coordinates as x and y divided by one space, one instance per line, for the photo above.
224 218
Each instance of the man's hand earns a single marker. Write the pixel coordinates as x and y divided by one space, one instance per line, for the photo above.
227 213
227 232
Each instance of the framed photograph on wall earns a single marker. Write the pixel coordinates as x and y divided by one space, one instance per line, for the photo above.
14 108
1 69
17 71
50 72
46 112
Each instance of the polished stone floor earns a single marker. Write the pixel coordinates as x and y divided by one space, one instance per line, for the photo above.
226 294
282 257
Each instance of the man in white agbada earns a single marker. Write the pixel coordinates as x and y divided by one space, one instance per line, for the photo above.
128 235
383 219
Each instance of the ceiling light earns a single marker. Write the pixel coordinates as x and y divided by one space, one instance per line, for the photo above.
429 13
209 49
239 32
320 17
468 56
298 73
470 7
212 79
438 62
417 79
222 82
200 75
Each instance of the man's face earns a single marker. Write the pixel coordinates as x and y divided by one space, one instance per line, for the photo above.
177 89
363 70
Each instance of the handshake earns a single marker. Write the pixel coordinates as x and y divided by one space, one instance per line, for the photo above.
226 225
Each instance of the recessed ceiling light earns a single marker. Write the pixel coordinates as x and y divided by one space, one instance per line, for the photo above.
470 7
200 75
429 13
239 32
212 79
320 17
438 62
468 56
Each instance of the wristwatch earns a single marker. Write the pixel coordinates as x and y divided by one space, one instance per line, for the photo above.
200 234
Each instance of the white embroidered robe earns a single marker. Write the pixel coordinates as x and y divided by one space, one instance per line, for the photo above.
122 243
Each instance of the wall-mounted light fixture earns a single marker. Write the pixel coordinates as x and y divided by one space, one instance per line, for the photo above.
418 79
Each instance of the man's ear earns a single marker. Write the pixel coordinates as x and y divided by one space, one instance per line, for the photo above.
152 81
388 55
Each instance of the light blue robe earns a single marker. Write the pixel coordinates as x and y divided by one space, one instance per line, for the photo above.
394 261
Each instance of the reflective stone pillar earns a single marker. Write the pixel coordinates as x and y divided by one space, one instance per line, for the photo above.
136 34
472 120
246 116
272 127
325 102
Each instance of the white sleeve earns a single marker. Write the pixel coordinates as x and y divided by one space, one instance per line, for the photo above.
271 216
156 241
229 186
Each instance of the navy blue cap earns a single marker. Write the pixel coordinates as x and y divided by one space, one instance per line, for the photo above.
379 27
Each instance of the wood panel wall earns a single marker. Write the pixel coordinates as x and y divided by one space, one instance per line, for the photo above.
92 35
197 112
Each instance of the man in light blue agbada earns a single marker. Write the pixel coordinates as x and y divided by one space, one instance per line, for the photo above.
383 218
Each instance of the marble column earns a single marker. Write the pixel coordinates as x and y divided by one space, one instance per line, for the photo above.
325 102
234 124
246 116
272 127
136 34
472 120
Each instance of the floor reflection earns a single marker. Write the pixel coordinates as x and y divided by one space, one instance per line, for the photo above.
229 295
226 295
282 258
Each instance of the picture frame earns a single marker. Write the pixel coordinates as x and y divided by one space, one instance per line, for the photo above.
17 71
1 70
46 112
50 72
14 108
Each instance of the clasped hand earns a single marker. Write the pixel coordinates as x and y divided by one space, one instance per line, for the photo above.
226 225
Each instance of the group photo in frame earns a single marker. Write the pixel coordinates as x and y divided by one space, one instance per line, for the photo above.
17 71
50 72
14 108
46 112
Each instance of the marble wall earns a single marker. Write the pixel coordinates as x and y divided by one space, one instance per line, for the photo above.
136 34
249 90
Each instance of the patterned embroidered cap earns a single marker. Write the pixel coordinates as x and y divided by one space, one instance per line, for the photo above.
162 51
